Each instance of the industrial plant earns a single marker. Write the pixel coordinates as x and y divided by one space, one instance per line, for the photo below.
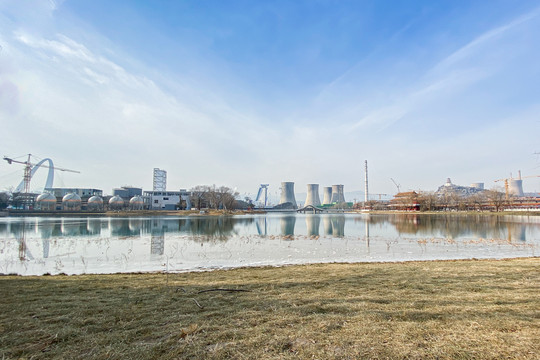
129 198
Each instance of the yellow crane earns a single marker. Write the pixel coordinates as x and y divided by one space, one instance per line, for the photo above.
511 178
30 168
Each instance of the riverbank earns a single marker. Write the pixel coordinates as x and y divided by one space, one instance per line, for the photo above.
140 213
441 309
126 213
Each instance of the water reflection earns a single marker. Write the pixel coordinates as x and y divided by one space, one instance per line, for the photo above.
39 245
338 225
313 223
287 225
456 226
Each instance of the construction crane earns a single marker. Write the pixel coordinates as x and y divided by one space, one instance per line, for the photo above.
397 185
380 195
30 169
506 186
259 193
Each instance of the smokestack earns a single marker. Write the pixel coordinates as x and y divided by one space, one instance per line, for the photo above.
327 195
366 196
313 195
287 193
337 194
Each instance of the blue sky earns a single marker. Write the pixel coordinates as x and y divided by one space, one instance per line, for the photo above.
247 92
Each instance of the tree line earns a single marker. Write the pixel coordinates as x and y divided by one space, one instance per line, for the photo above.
213 197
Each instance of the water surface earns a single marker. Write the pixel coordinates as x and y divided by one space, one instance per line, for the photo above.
35 246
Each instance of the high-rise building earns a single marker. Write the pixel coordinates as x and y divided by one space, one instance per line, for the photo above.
160 180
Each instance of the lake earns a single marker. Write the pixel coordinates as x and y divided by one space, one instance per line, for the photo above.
37 245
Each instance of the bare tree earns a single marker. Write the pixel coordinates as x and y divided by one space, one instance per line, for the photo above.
212 196
227 197
198 196
428 200
497 198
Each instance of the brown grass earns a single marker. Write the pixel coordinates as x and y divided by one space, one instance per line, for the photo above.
425 310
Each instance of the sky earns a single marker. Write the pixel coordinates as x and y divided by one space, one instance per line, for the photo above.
241 93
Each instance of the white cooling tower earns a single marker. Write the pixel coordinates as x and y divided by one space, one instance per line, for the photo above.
337 194
478 185
313 195
287 193
327 195
515 187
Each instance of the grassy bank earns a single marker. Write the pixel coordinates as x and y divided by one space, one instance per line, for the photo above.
446 309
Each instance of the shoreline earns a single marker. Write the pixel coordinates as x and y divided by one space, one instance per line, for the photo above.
165 213
272 266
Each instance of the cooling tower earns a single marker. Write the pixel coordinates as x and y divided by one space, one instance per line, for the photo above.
327 195
337 194
287 193
515 187
478 186
313 195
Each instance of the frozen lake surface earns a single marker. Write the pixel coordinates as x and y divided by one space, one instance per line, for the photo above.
36 246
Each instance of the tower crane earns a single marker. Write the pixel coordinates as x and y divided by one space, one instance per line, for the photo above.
397 185
30 169
380 195
510 178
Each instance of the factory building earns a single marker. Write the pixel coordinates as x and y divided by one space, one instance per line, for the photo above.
83 193
67 197
127 192
167 200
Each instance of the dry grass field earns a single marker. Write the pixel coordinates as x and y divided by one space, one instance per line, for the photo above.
487 309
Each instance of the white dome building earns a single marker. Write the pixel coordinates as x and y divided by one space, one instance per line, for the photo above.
46 202
95 203
136 203
116 203
71 202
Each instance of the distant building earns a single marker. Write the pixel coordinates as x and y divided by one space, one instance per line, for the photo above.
127 192
167 200
449 188
83 193
405 201
159 180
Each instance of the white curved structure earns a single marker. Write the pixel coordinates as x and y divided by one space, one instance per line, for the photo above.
50 175
327 195
287 193
337 194
313 195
